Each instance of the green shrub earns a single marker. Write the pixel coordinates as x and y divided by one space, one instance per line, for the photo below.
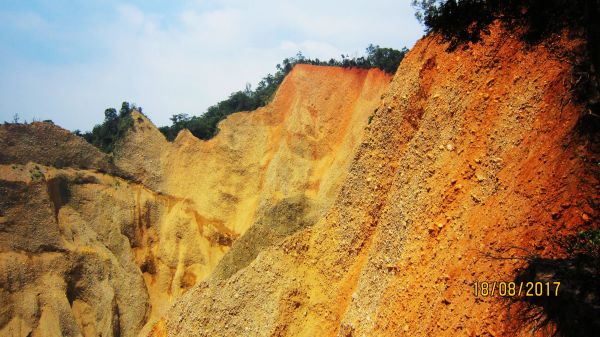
104 136
585 242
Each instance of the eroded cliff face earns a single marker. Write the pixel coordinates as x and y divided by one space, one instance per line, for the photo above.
65 253
274 170
279 168
349 206
470 155
95 245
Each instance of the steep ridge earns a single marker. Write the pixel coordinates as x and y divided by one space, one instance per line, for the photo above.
106 255
282 164
471 154
298 145
141 152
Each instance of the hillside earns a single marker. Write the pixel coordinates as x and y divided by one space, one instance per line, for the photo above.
353 204
471 163
106 256
49 145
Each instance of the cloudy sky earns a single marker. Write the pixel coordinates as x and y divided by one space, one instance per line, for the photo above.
69 60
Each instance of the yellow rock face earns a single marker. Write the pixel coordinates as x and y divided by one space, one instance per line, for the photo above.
300 144
290 156
86 252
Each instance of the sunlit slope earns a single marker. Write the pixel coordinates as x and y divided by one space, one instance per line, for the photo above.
470 153
299 145
292 154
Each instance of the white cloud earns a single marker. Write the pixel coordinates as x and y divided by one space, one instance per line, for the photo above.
185 62
131 14
312 49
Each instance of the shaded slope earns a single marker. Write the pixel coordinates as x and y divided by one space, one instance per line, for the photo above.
65 259
470 154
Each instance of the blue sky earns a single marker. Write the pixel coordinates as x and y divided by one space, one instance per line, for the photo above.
69 60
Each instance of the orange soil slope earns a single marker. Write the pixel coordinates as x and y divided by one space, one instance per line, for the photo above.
470 153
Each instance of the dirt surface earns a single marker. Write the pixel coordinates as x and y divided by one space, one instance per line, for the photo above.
471 162
47 144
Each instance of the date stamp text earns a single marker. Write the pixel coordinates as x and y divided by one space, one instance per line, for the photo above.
512 289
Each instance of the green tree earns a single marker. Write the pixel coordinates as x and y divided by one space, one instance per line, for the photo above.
386 59
110 114
114 127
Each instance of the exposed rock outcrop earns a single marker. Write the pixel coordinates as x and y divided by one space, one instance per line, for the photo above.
65 257
141 152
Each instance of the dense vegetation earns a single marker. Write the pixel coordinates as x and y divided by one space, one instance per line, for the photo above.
205 125
104 136
465 20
